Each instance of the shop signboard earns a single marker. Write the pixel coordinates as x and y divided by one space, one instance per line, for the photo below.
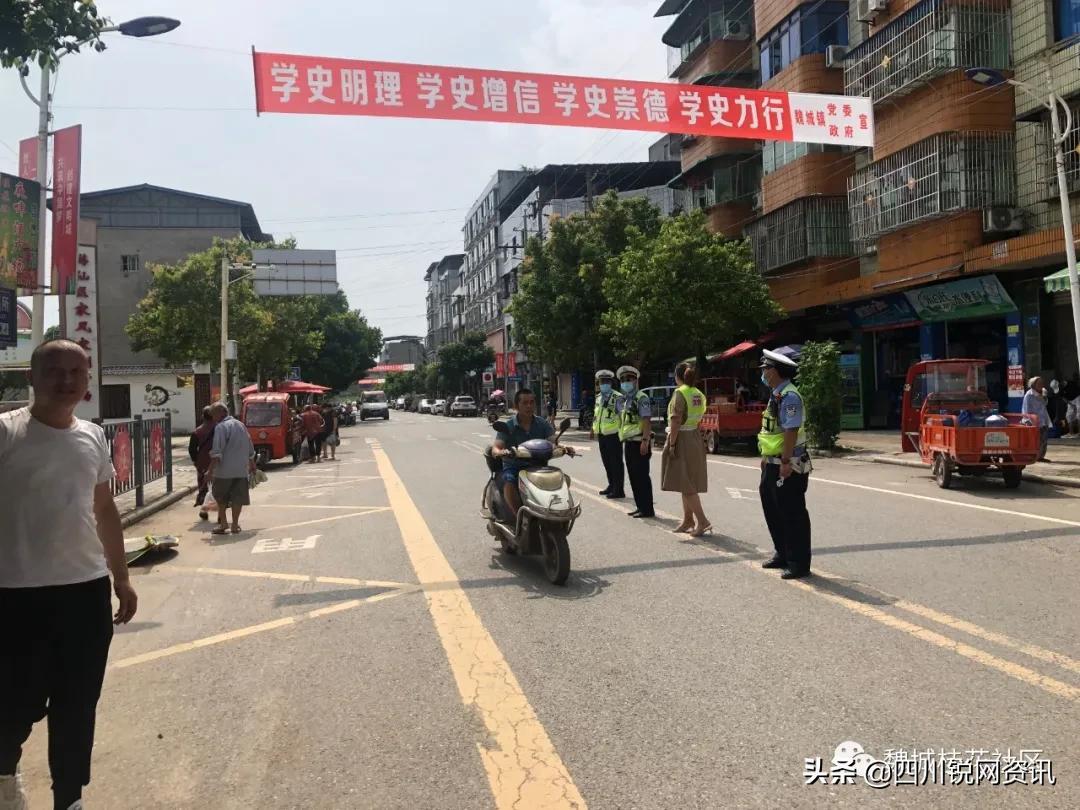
499 364
319 85
19 202
511 364
886 312
966 298
80 314
1015 380
9 319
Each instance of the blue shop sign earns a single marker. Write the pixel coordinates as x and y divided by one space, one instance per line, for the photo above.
886 312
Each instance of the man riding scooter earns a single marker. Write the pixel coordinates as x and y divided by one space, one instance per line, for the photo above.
522 427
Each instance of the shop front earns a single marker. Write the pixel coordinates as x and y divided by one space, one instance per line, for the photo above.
886 342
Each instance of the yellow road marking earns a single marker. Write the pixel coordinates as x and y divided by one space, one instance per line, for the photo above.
1021 673
522 765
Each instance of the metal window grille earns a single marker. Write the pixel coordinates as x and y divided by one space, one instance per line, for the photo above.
950 171
129 265
807 228
934 37
1045 168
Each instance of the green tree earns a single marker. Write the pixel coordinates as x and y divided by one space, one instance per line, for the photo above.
52 333
684 291
820 383
347 346
558 307
13 385
43 30
465 360
404 383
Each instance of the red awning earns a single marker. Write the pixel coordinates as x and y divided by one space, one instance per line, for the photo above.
369 382
288 387
739 348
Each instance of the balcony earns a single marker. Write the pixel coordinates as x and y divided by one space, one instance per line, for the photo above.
1045 168
808 228
948 172
934 37
702 22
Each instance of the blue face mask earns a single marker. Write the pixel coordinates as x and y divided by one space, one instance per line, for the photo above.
605 388
627 387
764 381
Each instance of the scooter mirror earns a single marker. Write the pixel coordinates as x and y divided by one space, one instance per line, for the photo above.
564 425
501 427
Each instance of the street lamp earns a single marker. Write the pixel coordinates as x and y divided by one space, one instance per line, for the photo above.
989 77
138 27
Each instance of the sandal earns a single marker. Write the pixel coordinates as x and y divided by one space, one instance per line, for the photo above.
706 529
683 527
235 530
220 530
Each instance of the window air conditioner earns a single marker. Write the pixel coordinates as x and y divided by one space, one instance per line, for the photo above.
867 10
834 56
1002 219
756 204
736 29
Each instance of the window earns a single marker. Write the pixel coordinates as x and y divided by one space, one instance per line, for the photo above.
129 265
1066 19
802 32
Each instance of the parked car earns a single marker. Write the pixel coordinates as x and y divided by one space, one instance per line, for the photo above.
373 405
659 396
399 403
439 406
425 406
463 406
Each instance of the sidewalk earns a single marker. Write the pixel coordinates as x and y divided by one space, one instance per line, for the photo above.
883 446
155 497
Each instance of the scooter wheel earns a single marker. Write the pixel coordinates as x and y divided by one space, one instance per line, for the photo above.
506 547
556 555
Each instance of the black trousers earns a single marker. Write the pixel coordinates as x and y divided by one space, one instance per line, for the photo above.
637 469
786 516
611 455
314 444
55 643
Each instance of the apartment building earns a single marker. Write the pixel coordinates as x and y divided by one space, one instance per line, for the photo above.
935 242
444 310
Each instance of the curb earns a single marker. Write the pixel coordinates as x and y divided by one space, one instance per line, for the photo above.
152 508
1035 478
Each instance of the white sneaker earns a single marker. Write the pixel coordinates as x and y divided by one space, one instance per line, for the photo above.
12 795
76 805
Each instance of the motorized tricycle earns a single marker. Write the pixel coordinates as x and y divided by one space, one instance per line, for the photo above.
950 421
548 510
729 416
274 431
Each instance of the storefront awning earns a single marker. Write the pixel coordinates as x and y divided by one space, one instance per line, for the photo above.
1057 282
739 348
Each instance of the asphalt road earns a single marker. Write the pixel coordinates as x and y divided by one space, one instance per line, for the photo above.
389 656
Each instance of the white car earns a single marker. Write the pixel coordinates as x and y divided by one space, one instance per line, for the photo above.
399 405
425 406
463 406
438 406
374 406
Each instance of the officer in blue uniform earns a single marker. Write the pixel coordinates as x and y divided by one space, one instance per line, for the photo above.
785 468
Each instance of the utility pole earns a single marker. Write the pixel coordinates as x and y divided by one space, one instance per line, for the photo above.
37 321
223 368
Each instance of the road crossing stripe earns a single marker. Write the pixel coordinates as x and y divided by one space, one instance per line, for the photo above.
522 765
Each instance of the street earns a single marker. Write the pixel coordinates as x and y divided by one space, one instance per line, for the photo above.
363 643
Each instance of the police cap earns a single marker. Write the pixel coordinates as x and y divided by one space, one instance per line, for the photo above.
605 374
771 359
624 370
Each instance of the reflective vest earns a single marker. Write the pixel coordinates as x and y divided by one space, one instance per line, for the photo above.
629 420
771 438
695 406
606 417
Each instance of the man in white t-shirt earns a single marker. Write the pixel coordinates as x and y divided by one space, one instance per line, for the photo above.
60 537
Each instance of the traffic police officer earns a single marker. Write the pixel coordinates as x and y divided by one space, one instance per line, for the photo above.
785 468
635 433
605 428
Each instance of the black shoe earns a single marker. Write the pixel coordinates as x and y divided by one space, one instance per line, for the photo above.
795 573
775 562
644 515
635 513
604 491
616 496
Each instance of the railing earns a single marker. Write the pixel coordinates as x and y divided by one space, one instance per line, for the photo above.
1045 168
807 228
934 37
718 20
950 171
141 452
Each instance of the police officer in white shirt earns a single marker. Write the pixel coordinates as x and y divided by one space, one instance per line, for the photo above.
60 538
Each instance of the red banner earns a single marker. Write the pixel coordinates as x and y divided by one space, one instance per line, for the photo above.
67 164
287 83
498 364
511 364
28 158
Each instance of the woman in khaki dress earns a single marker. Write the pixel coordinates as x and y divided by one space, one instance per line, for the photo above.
683 464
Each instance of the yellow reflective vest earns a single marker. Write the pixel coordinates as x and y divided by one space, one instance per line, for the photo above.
695 406
629 419
771 437
606 416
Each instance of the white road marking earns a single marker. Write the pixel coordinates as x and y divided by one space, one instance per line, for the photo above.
978 506
734 493
268 544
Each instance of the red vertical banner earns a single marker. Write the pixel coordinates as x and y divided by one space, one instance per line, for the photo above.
498 364
67 164
511 364
28 158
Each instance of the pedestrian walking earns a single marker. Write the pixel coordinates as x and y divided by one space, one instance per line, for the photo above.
1035 405
605 429
313 427
329 436
785 468
199 450
552 406
683 466
635 433
60 540
232 461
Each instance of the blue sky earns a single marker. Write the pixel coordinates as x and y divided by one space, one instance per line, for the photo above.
178 110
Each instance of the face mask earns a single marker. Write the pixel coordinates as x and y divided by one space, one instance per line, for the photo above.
627 387
765 381
605 388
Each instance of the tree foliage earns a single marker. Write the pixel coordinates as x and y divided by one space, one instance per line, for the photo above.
820 382
404 383
180 321
561 293
464 360
43 30
685 291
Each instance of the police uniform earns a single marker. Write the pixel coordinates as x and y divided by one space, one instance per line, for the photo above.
633 407
606 428
784 499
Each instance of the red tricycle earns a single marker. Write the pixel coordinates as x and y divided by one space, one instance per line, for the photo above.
728 415
273 428
951 422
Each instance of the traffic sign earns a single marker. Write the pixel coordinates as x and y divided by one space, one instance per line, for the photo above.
294 374
488 378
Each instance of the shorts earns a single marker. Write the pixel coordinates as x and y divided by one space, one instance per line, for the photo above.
231 491
510 475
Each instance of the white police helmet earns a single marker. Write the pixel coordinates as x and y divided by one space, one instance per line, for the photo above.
605 374
624 370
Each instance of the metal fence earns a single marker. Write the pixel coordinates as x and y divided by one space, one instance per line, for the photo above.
141 451
804 229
